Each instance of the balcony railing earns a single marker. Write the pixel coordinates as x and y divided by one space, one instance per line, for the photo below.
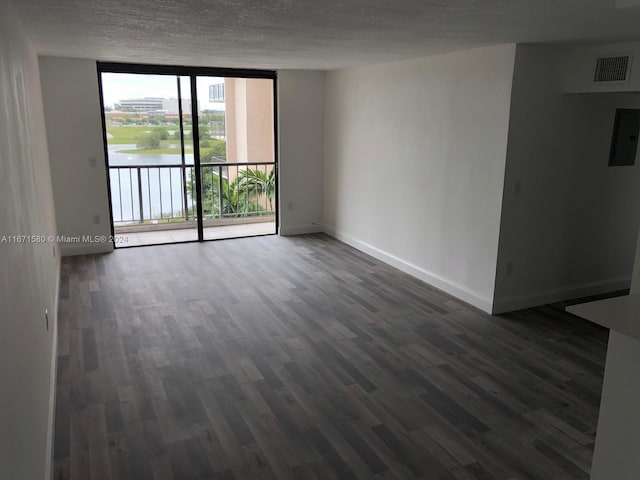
166 193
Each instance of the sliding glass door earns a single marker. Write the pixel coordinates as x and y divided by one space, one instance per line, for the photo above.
237 156
173 179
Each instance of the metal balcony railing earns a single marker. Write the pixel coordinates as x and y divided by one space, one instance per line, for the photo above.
166 193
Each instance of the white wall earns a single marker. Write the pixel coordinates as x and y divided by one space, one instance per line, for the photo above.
577 67
414 164
301 131
571 229
615 455
74 131
29 272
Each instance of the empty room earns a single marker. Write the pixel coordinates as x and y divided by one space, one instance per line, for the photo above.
319 240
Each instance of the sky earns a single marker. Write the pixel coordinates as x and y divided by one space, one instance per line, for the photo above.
122 86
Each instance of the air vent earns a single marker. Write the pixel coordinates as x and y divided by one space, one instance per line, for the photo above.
612 69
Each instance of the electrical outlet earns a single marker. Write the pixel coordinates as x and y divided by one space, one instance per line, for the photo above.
96 219
46 318
517 187
509 268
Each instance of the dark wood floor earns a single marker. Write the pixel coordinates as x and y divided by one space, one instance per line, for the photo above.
301 358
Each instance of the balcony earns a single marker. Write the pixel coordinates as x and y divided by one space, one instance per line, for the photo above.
156 203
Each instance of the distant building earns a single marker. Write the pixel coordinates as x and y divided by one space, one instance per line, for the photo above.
147 104
170 105
216 92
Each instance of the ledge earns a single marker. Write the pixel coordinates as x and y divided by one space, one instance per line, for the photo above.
621 314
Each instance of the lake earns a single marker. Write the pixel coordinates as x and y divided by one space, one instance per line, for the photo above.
161 187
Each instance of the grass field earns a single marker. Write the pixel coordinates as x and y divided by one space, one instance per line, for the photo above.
127 135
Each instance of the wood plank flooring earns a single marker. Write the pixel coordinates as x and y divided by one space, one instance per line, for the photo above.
301 358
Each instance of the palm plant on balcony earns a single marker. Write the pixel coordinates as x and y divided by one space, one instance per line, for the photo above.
236 202
257 183
246 195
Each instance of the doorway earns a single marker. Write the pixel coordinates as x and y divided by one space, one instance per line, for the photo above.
191 152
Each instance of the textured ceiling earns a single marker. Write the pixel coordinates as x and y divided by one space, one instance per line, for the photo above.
321 34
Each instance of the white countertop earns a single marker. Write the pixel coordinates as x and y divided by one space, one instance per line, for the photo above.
621 314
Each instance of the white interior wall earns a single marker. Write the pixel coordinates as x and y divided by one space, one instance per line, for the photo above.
615 455
29 271
301 132
74 132
569 222
617 442
414 165
577 67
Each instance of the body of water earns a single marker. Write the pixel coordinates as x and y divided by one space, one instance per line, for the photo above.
162 188
118 159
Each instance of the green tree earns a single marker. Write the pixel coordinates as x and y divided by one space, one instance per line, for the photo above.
212 147
163 132
149 140
234 202
237 201
258 184
203 132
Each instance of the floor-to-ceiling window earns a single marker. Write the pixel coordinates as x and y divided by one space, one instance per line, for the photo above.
173 179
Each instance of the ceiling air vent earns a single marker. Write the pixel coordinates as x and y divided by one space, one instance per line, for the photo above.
615 68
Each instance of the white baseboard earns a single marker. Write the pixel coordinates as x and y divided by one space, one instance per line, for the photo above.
519 302
446 285
72 249
301 229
